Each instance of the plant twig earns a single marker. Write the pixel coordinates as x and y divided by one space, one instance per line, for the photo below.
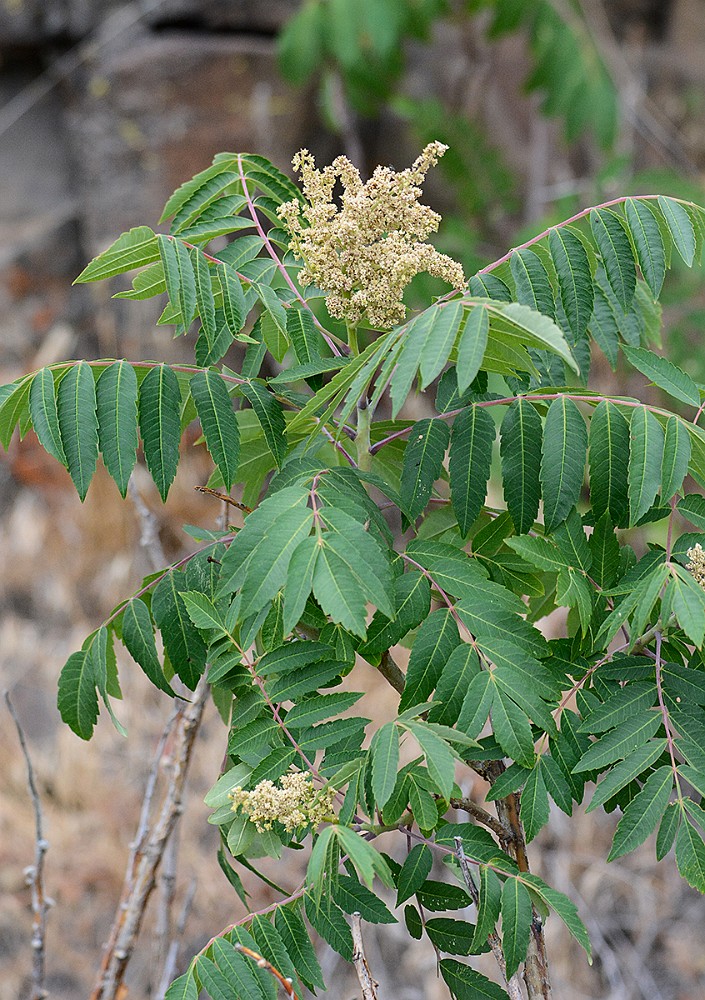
362 969
482 816
35 873
262 963
513 985
150 844
169 970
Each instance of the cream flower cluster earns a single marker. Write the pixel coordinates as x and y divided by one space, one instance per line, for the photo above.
697 563
364 251
294 804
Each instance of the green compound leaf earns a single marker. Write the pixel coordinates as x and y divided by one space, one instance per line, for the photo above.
160 425
521 436
78 424
574 278
45 419
218 421
646 234
470 461
116 399
616 250
563 456
609 462
422 464
645 460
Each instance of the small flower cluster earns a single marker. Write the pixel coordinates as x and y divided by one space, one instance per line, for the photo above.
697 563
365 252
296 803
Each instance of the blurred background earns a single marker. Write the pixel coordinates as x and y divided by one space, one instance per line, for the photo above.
105 107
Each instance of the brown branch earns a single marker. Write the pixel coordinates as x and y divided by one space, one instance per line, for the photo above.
391 672
35 873
262 963
150 844
169 970
367 983
513 985
224 497
482 816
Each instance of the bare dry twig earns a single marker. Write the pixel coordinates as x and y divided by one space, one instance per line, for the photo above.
150 844
262 963
367 983
35 873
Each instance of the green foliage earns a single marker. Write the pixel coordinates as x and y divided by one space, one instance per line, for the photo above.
360 535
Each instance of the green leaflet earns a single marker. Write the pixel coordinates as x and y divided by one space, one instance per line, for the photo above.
435 640
160 425
690 855
270 416
78 423
452 686
619 743
465 983
664 374
646 234
676 458
422 464
609 460
412 601
77 697
294 935
533 286
384 753
472 344
645 459
133 249
563 907
183 988
14 400
328 920
574 278
520 450
470 461
45 419
514 326
218 421
414 872
205 300
534 802
633 699
234 308
440 759
116 400
138 637
643 813
437 348
680 227
511 728
562 460
418 331
183 642
179 276
516 923
688 600
616 251
627 770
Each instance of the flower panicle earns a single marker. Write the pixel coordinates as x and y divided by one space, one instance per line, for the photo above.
364 250
294 804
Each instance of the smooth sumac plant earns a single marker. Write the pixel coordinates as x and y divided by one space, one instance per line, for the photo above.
363 531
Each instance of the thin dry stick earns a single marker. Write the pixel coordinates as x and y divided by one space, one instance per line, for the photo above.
513 985
169 970
367 983
148 850
262 963
35 873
